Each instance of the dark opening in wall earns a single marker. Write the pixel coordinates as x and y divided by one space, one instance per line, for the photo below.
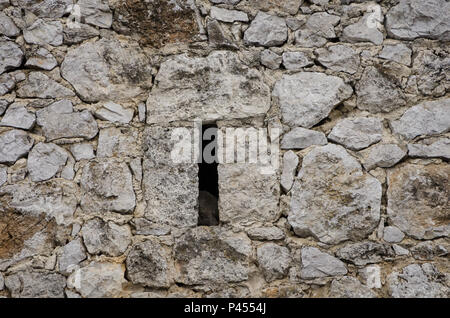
208 211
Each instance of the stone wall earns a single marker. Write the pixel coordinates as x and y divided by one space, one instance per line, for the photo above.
91 205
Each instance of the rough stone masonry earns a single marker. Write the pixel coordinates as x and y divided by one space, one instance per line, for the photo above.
90 205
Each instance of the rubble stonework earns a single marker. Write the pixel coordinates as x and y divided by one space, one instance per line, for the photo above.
352 96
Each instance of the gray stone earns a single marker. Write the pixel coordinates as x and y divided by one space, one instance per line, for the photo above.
4 4
231 2
363 253
430 69
41 59
418 200
96 12
4 105
143 226
377 93
428 250
266 30
229 16
107 187
2 282
46 8
11 56
400 251
371 276
80 34
357 133
383 155
136 168
339 58
290 163
273 260
279 6
349 287
14 144
7 26
148 264
72 254
107 70
60 121
412 19
231 89
392 234
266 233
208 255
44 32
316 264
98 280
7 83
271 59
3 175
115 113
333 200
418 281
101 237
82 151
36 284
294 23
307 98
399 53
141 112
300 138
18 116
425 119
39 85
439 148
219 38
318 29
115 142
365 30
295 61
45 161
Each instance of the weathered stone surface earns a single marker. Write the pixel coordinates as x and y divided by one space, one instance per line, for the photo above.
44 32
411 19
116 142
339 58
418 281
11 56
392 234
115 113
46 8
426 251
383 155
247 195
357 133
45 161
290 163
82 151
430 69
349 287
7 83
274 261
300 138
296 61
41 59
3 175
36 284
96 12
143 226
4 105
266 30
318 28
98 280
267 233
39 85
316 263
425 119
208 255
429 148
7 26
107 70
107 187
80 34
363 253
332 199
271 59
399 53
225 1
148 264
281 6
217 36
72 254
14 144
17 116
367 29
60 121
2 282
418 200
226 15
371 276
308 97
101 237
219 87
377 93
170 21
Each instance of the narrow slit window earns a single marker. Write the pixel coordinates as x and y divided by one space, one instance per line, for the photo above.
208 210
